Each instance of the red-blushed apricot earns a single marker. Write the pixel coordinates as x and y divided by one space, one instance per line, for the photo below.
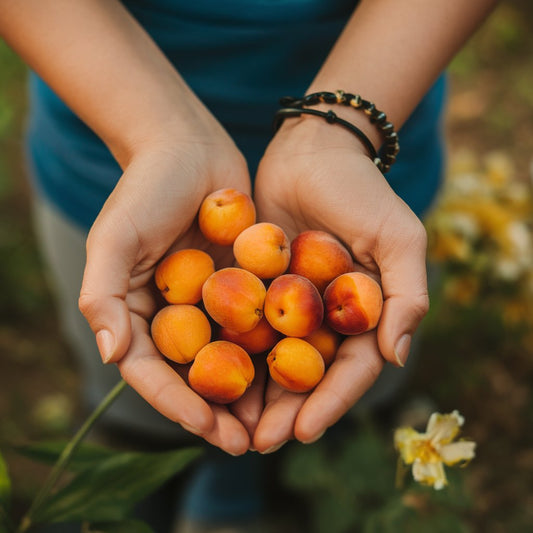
260 339
353 303
326 341
320 257
234 298
179 331
263 249
295 365
224 214
293 305
221 372
180 275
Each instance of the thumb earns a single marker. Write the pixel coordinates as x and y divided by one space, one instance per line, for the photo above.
104 288
406 301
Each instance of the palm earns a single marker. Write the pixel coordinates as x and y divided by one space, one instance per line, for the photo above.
340 191
142 221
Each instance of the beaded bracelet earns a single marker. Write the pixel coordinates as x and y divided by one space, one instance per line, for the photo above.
331 118
391 145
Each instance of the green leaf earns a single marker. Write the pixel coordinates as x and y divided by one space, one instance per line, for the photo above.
124 526
86 456
5 485
107 491
5 496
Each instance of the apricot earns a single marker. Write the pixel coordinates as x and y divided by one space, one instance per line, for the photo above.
234 298
326 341
224 214
293 305
320 257
353 303
263 249
179 331
295 365
221 372
180 275
260 339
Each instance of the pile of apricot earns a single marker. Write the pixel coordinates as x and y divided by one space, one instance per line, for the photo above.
291 302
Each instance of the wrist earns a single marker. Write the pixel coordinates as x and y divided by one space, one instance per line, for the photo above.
313 134
184 125
312 104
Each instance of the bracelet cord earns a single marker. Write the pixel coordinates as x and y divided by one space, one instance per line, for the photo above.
295 107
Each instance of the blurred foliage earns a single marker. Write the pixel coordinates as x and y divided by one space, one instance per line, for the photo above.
349 484
24 291
502 36
480 235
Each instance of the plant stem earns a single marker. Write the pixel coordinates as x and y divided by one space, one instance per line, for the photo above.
66 455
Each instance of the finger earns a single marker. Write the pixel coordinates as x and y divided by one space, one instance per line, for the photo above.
146 371
406 300
276 425
357 365
228 433
249 407
104 288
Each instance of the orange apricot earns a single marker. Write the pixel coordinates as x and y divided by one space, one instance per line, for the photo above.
353 303
320 257
224 214
221 372
263 249
326 341
293 305
234 298
295 365
179 331
180 275
260 339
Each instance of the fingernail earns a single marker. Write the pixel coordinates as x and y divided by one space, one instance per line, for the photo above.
401 350
274 448
314 439
190 429
106 344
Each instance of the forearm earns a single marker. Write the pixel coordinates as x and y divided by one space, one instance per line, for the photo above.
105 67
391 52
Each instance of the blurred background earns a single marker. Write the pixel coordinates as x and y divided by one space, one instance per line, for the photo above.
477 341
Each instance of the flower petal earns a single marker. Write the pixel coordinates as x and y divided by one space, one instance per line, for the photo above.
406 441
430 474
442 429
455 452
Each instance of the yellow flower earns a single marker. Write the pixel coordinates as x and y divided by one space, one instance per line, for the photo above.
428 452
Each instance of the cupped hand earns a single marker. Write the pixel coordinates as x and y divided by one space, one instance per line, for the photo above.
317 176
151 212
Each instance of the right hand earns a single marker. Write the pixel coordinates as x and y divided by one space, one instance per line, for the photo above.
151 212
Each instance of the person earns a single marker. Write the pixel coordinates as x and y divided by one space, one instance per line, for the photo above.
140 109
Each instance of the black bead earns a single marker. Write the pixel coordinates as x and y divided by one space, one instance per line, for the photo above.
379 118
331 117
329 98
391 138
369 108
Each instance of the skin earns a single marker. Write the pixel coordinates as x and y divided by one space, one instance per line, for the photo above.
161 130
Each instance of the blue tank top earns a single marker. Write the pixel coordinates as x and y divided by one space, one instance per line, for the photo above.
240 57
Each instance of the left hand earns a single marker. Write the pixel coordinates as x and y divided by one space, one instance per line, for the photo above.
317 176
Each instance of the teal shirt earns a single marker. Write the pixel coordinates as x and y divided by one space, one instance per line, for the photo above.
240 57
